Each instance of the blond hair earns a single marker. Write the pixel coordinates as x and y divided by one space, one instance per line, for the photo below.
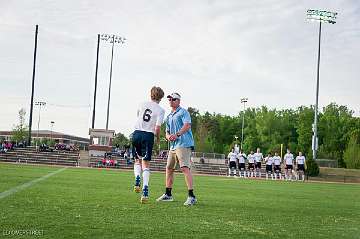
156 93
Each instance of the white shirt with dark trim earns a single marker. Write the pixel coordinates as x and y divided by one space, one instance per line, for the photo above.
150 114
241 157
289 159
251 158
232 157
258 157
269 160
300 160
277 160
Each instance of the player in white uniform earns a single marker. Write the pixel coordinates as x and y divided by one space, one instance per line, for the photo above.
236 149
242 170
269 166
300 167
258 158
289 161
150 117
277 166
232 163
251 166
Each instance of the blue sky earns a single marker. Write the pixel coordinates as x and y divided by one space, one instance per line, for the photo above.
212 52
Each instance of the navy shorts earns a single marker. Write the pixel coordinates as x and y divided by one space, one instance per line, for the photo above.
242 166
268 168
142 143
277 168
232 164
301 167
251 166
289 166
258 165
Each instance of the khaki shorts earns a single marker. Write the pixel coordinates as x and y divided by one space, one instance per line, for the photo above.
180 155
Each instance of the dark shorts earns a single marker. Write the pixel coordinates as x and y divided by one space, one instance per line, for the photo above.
142 143
300 167
251 166
242 166
268 168
289 166
277 168
258 165
232 164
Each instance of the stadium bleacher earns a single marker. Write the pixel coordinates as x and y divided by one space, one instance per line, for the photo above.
31 155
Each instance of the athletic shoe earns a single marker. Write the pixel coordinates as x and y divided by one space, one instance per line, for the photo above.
190 201
145 195
165 198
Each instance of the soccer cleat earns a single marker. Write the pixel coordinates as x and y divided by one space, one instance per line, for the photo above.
190 201
165 198
145 195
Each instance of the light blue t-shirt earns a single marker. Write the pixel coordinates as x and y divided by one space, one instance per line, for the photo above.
174 122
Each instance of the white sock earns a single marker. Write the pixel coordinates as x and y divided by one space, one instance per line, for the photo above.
146 177
137 170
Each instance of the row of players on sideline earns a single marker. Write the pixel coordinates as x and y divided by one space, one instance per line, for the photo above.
273 165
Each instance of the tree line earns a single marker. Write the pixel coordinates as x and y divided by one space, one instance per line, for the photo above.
338 132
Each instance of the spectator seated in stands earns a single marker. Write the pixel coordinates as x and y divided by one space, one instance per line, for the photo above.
2 148
44 148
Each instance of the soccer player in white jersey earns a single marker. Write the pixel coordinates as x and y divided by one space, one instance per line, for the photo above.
277 166
300 166
251 166
232 163
242 170
289 161
269 166
236 149
258 158
150 117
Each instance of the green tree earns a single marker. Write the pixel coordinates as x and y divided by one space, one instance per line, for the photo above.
20 131
352 152
121 140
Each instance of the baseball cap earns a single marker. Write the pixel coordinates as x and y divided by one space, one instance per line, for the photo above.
174 96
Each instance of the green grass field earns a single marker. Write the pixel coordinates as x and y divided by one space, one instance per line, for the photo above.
93 203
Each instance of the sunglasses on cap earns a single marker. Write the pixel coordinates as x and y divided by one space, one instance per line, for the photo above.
172 99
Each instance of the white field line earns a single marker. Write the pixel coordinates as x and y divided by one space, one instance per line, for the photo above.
28 184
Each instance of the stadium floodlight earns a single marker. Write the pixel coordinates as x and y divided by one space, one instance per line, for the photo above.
39 103
111 38
243 100
321 17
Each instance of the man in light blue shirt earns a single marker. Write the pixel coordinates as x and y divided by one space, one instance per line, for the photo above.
178 133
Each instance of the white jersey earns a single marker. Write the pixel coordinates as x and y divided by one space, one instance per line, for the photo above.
150 114
277 160
258 157
236 149
300 160
241 157
232 157
269 160
289 158
251 158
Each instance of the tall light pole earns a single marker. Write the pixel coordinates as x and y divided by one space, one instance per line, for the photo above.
39 103
243 100
112 39
321 17
95 88
33 85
